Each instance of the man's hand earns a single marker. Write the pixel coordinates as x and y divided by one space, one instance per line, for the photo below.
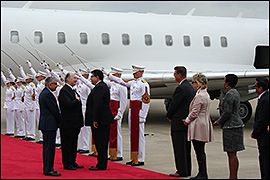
29 63
184 121
215 123
95 124
169 119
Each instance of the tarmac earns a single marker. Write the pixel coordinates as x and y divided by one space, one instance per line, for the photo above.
159 152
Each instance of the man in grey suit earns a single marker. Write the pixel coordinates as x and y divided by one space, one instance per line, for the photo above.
50 120
177 111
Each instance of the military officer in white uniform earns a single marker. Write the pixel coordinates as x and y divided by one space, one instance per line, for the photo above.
9 104
40 79
30 105
118 105
83 91
19 106
139 106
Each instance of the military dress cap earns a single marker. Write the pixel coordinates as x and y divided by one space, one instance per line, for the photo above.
115 70
9 81
40 73
137 68
29 76
19 79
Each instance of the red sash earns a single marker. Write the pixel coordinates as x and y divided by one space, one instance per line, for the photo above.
135 107
113 131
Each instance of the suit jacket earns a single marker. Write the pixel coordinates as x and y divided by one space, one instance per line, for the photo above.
98 106
71 108
49 111
262 121
179 106
200 127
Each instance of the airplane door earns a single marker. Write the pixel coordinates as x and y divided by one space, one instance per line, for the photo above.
262 57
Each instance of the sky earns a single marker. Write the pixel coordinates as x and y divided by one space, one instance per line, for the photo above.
249 9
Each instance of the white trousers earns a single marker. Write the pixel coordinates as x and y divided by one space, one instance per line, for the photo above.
40 133
19 116
9 121
141 149
58 139
30 120
119 139
84 135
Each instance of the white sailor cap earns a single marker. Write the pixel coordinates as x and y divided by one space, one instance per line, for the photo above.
40 73
29 76
9 81
19 79
115 70
137 68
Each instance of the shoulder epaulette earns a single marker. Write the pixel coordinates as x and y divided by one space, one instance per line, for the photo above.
23 86
13 88
32 84
127 80
43 82
143 81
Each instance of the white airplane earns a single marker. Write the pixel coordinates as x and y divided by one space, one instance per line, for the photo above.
214 46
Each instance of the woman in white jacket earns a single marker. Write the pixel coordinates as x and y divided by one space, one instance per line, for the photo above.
200 129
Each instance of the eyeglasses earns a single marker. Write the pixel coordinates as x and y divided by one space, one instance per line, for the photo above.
54 83
92 76
256 86
193 82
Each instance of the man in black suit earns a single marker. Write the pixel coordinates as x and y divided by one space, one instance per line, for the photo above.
98 115
177 111
261 124
72 121
49 121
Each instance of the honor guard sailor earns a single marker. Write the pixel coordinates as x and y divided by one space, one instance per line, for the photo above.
118 105
40 79
139 106
9 104
30 105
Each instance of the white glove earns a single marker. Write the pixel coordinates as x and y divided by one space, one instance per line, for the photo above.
9 70
60 67
43 65
2 72
88 69
142 120
117 117
29 63
105 71
20 67
78 74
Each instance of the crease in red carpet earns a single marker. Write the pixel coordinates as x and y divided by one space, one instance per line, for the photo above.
23 160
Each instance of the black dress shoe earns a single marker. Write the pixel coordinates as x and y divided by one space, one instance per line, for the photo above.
92 154
82 151
57 145
52 173
28 139
139 164
39 142
9 134
78 166
200 176
19 136
70 167
129 163
95 168
117 159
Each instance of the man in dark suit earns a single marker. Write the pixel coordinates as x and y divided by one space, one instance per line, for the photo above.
177 111
72 121
50 120
98 115
261 124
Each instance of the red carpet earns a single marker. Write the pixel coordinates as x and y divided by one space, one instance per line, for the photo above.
23 160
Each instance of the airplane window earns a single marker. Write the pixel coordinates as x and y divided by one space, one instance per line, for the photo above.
125 39
187 41
61 38
169 40
38 37
83 37
105 38
206 40
14 36
148 40
223 41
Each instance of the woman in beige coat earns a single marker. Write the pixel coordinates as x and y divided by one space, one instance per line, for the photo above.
200 129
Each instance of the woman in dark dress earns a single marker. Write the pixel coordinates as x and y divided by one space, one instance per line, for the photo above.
231 124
